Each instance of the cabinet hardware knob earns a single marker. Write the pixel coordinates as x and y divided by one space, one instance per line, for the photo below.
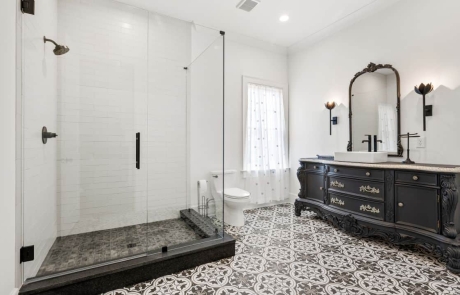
368 174
400 204
314 167
320 188
415 177
336 170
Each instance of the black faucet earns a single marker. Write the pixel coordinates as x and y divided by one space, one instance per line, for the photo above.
375 142
369 142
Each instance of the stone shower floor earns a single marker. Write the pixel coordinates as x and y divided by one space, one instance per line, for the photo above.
86 249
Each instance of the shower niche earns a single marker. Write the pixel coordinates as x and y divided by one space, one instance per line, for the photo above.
110 200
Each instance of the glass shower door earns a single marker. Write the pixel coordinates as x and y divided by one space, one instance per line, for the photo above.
85 191
137 106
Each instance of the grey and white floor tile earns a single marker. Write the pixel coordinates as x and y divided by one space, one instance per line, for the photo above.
281 254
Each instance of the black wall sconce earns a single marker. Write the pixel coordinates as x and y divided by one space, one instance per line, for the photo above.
333 120
427 110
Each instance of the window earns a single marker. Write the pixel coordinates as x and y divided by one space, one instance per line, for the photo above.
265 142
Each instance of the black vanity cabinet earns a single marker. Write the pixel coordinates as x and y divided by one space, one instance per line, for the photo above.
405 204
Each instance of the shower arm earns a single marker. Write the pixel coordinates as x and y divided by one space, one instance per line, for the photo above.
49 40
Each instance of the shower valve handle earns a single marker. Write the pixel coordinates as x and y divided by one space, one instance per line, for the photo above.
46 135
50 135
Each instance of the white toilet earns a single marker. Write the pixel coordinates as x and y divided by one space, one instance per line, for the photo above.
235 199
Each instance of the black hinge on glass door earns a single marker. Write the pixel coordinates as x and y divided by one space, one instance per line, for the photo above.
26 254
28 6
138 150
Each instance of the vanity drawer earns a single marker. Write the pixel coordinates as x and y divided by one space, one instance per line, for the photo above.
357 172
314 166
363 207
362 188
415 177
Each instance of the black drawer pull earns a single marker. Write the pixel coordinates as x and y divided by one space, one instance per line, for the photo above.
368 174
415 177
400 204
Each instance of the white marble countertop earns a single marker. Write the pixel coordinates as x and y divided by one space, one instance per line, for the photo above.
391 165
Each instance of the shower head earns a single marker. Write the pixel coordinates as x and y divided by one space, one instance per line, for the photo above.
59 49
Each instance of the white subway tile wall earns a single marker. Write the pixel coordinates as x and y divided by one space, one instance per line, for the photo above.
124 74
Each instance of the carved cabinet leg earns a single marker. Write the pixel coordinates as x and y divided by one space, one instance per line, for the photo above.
453 259
298 211
299 206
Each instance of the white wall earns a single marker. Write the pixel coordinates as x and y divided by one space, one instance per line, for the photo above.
243 60
244 57
7 148
39 80
417 38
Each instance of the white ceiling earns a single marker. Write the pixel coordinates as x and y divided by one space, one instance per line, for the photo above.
307 17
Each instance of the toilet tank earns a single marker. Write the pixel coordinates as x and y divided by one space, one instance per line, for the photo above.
228 175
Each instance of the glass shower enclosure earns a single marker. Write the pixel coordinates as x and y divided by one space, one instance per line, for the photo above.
136 106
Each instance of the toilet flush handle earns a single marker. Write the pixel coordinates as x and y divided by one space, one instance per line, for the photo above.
215 176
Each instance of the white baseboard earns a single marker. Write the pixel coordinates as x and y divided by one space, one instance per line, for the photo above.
292 197
14 292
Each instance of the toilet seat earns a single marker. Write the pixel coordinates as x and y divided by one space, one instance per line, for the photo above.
235 193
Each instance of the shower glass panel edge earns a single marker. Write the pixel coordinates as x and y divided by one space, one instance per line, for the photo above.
205 89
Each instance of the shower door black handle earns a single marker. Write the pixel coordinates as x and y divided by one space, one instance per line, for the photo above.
138 150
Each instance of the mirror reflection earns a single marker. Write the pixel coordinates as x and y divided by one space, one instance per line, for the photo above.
374 101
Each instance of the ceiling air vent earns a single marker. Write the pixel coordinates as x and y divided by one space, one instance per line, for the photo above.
248 5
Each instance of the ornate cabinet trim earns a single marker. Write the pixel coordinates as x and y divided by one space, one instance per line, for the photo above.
301 176
389 196
449 204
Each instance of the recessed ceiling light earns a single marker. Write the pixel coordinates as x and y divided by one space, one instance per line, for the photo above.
284 18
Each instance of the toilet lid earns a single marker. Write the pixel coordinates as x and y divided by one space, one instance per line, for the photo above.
235 193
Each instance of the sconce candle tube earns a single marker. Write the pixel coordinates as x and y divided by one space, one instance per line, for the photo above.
424 115
330 124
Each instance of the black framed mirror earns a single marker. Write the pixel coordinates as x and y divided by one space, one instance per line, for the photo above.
375 109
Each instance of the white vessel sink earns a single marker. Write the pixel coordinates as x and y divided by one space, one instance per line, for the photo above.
361 157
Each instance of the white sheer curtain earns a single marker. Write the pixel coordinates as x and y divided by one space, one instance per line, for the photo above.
387 127
265 154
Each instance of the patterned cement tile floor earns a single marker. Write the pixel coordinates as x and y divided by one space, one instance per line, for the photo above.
80 250
281 254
